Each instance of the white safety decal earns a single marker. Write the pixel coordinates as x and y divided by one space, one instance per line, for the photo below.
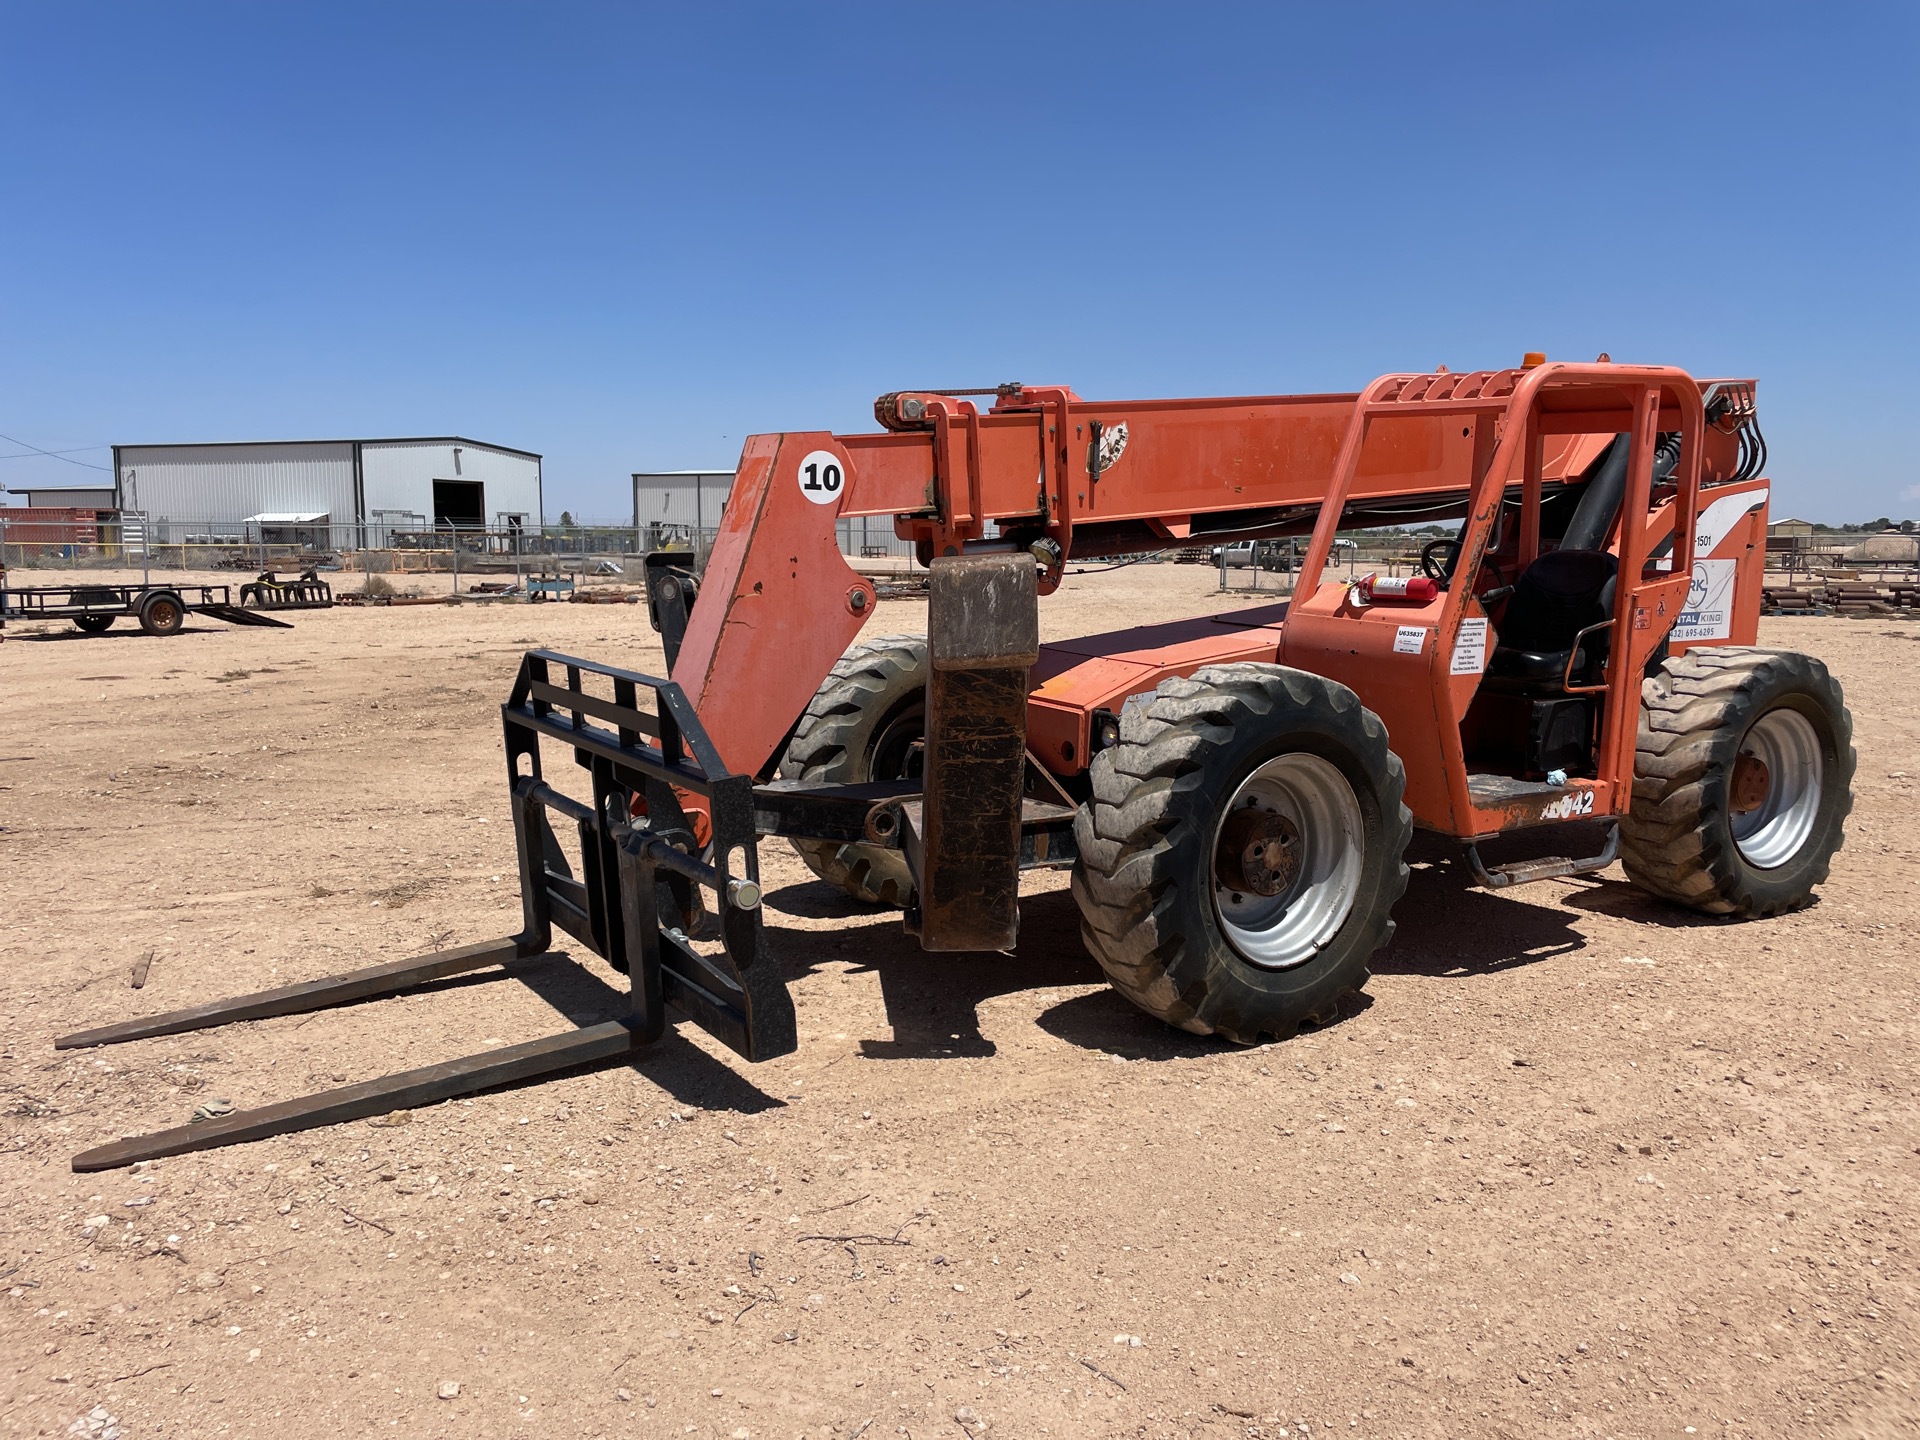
1709 606
1409 639
1714 523
821 478
1113 444
1470 647
1721 516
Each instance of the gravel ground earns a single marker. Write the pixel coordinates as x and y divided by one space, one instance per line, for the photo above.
1576 1164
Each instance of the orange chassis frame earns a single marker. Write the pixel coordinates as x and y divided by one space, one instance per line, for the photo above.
1075 479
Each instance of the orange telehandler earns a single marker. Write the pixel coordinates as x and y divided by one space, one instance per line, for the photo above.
1234 794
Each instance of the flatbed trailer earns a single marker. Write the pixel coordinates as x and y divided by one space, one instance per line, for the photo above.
160 609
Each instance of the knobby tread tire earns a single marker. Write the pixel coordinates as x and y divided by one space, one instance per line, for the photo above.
1676 840
1144 883
867 685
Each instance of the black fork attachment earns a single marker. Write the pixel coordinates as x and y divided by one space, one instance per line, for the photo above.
637 903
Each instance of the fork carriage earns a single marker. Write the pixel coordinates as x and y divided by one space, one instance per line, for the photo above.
636 902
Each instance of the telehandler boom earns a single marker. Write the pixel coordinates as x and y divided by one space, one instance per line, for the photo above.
1234 794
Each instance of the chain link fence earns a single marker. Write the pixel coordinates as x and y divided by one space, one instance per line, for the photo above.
392 543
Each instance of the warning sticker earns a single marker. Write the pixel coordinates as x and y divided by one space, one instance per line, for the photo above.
1470 647
1409 639
1709 610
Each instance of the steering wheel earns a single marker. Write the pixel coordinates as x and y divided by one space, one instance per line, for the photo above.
1437 559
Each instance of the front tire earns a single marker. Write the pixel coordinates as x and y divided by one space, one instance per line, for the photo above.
868 721
94 624
1743 780
1242 853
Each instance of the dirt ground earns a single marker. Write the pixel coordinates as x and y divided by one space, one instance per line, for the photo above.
1577 1164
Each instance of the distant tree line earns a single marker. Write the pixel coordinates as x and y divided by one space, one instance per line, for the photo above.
1871 527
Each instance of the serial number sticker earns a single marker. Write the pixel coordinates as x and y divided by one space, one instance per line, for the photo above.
1409 639
821 478
1569 807
1470 647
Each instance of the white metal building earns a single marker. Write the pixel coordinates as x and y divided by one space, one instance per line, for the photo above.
680 507
70 497
345 487
670 505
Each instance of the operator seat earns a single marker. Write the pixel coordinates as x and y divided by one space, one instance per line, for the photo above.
1555 598
1565 590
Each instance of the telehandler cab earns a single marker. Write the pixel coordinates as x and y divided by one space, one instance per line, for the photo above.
1234 793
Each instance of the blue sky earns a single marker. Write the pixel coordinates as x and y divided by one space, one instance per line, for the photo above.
627 235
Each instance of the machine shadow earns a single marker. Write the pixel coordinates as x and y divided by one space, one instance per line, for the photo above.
132 632
1104 1021
817 900
1623 900
673 1062
582 997
1466 931
933 1000
1501 933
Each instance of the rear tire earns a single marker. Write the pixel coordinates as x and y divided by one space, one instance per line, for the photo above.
1743 780
162 614
1243 851
94 624
865 723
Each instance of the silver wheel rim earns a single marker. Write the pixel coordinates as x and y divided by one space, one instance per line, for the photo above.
1772 833
1279 932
